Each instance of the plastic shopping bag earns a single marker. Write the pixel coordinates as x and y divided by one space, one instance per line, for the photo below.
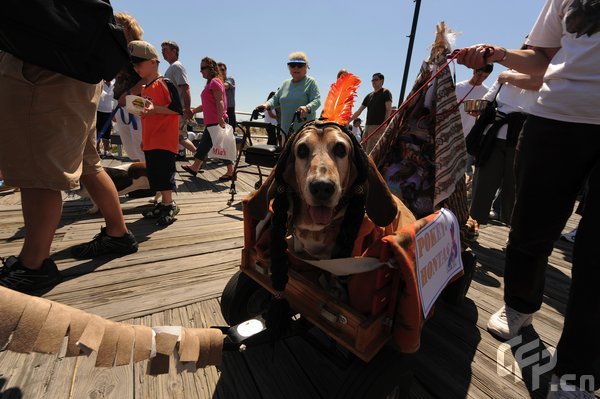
223 142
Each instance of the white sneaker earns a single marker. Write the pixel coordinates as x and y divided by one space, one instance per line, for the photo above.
507 322
564 391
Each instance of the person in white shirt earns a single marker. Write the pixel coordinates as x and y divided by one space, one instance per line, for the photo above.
357 129
104 118
558 149
472 89
515 92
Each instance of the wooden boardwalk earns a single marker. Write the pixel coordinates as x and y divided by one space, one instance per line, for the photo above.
177 277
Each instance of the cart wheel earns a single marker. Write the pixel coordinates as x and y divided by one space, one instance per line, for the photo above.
387 376
456 292
257 184
243 299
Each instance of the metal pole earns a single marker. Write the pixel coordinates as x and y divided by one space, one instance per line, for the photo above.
411 42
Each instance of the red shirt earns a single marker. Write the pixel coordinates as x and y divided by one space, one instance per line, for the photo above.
161 131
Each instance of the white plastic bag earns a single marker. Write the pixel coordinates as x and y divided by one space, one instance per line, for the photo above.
223 142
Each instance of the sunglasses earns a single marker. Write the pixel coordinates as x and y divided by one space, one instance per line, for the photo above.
202 68
296 64
375 79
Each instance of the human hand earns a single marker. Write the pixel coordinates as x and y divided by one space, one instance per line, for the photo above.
479 55
188 114
303 110
148 109
262 107
504 77
222 122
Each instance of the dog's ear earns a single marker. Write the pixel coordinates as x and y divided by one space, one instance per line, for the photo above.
258 201
286 170
380 204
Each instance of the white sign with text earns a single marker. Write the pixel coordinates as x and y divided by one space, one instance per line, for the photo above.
438 257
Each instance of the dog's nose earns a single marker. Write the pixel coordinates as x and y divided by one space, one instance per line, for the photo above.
322 190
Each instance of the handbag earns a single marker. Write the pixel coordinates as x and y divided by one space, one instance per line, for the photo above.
475 138
77 38
223 142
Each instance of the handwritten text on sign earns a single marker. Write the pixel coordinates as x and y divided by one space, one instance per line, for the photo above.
438 257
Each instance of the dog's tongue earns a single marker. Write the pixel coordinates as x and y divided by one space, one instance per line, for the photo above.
321 214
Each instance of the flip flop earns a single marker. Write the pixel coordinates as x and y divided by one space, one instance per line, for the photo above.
225 178
189 170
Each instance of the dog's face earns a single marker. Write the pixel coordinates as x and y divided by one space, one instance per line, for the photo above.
323 169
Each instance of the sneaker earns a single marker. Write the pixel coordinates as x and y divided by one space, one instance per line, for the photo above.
105 244
154 213
570 236
493 215
15 276
558 390
506 323
167 215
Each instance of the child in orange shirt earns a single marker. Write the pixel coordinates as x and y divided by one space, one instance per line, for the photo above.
160 129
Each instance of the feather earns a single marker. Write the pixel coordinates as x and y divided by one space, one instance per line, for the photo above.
340 100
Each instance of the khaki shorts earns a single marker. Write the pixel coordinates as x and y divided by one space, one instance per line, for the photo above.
48 126
373 140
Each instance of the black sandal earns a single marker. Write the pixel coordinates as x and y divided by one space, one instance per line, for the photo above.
225 178
188 169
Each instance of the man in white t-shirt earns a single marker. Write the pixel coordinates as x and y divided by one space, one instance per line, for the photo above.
558 149
177 74
472 89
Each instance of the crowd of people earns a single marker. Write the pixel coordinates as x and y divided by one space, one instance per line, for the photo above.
544 117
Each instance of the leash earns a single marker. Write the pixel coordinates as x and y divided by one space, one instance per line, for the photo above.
451 57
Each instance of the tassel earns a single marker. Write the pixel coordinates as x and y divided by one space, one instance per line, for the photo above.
340 100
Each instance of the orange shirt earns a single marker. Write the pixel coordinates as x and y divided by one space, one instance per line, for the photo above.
161 131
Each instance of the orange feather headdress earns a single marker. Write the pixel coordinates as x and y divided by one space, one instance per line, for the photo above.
339 102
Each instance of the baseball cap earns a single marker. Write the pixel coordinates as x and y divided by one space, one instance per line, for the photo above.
140 50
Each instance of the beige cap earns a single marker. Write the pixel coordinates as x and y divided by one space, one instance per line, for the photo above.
140 50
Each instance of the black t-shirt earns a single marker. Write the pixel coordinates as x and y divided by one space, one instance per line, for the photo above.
375 103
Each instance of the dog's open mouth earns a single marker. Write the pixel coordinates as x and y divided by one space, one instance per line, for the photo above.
321 214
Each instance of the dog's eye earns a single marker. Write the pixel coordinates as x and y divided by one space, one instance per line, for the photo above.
339 150
302 151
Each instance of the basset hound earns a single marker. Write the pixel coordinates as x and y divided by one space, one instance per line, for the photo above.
327 182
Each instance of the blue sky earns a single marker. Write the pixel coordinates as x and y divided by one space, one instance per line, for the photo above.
255 38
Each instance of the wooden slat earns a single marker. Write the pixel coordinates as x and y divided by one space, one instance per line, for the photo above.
180 271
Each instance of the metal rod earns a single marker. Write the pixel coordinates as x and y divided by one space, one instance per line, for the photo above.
411 42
